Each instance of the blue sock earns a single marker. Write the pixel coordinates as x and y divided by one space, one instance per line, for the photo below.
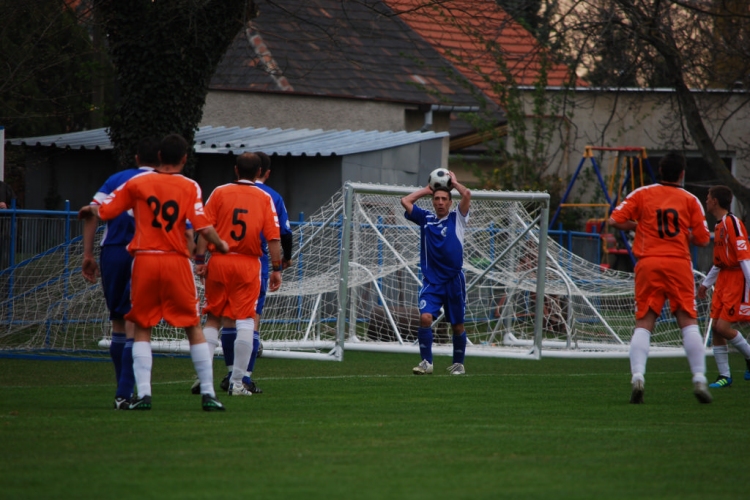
459 348
115 352
254 355
425 343
228 336
126 384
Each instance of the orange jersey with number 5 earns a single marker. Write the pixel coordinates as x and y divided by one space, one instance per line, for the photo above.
240 212
666 217
161 203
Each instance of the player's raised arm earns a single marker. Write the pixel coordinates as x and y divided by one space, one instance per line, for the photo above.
409 200
463 205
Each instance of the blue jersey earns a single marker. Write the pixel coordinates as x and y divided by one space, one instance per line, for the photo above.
120 230
281 213
441 253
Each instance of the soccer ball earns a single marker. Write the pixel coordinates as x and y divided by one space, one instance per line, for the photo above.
439 178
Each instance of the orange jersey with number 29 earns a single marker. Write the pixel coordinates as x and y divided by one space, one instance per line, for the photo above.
161 203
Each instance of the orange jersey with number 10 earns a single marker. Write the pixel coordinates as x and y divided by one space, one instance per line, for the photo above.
240 212
666 216
161 203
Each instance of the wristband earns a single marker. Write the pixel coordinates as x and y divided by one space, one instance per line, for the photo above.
200 259
276 265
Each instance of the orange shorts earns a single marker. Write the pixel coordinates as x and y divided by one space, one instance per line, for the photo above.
163 286
731 301
232 286
658 279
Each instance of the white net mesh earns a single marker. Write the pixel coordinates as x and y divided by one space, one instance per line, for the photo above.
588 310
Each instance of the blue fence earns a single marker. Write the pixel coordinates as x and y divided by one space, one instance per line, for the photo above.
26 234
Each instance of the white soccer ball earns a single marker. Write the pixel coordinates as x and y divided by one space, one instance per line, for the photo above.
439 178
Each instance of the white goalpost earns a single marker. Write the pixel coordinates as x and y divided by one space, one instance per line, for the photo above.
354 285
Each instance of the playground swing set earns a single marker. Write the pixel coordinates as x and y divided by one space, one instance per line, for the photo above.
628 166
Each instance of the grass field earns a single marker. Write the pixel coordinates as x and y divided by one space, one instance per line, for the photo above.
368 429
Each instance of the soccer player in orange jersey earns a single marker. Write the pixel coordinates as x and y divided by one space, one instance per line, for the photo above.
666 220
162 284
731 276
240 212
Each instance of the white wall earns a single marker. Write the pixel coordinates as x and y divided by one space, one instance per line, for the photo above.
246 109
645 118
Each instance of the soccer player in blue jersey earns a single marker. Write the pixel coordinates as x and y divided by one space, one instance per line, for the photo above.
441 262
229 331
115 264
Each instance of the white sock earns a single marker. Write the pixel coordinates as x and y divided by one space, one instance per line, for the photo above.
243 349
741 345
212 339
143 360
721 355
202 362
696 354
639 345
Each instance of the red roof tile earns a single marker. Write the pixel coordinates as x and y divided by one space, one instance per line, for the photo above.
464 31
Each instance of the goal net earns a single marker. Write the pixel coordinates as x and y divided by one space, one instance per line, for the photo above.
354 285
356 280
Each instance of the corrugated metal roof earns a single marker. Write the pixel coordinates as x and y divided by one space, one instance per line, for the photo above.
236 140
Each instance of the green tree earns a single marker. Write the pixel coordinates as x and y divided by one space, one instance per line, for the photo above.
47 66
685 45
164 53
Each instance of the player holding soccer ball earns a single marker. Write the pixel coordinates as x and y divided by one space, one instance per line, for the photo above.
441 262
731 273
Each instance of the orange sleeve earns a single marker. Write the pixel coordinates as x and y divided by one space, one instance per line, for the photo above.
196 213
120 200
699 226
628 209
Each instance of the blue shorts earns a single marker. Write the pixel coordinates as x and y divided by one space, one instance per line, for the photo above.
451 296
263 286
116 264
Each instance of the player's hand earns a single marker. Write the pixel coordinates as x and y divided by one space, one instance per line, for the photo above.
223 247
275 282
285 264
702 292
90 269
454 181
200 270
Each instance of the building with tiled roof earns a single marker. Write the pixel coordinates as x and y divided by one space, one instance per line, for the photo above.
334 65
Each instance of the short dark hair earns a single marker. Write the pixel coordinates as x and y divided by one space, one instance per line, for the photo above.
671 166
248 165
447 190
148 152
265 162
172 148
722 195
